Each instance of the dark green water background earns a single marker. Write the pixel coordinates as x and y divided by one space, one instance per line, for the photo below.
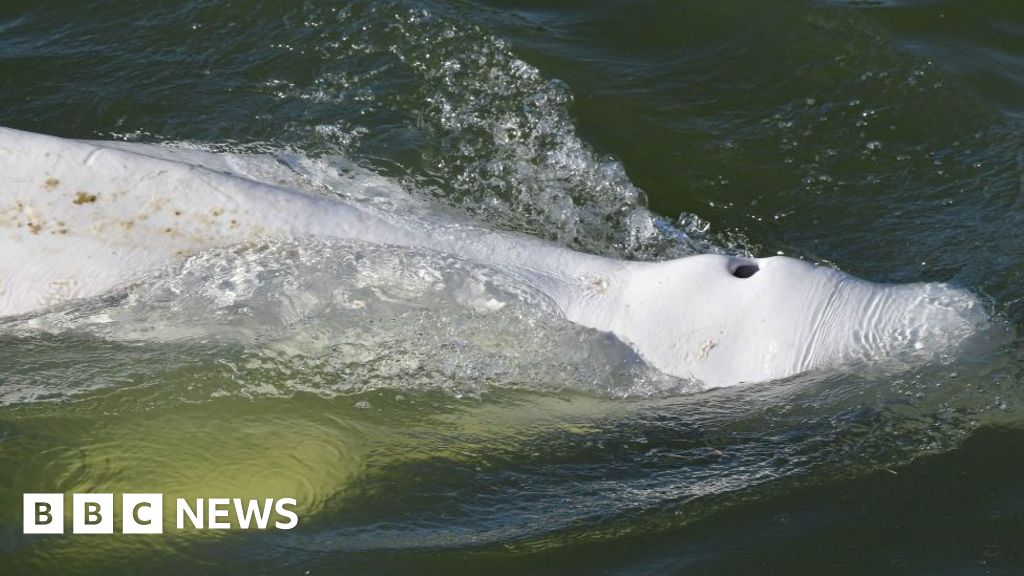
883 138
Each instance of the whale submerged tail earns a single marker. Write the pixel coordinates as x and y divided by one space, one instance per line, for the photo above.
80 218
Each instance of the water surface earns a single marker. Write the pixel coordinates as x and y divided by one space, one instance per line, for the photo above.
432 416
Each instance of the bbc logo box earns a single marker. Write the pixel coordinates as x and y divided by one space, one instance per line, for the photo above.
93 513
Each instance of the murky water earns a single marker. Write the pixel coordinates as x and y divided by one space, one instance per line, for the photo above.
435 416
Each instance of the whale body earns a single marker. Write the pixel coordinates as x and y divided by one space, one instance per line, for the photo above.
80 218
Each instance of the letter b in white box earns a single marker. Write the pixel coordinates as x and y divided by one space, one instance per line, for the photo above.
92 513
142 513
42 513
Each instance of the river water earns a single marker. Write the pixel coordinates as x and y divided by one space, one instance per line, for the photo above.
431 416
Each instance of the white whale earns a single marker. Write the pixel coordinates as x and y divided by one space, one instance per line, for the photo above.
79 218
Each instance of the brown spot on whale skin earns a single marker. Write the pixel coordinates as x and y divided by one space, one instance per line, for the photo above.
216 212
127 224
177 212
84 198
51 183
234 223
34 227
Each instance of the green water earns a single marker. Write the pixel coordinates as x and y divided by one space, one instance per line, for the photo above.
422 436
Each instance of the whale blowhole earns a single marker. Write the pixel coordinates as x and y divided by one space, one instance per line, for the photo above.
745 270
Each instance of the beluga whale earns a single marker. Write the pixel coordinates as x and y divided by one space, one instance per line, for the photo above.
79 218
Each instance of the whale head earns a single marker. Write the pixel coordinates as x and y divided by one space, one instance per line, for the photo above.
726 320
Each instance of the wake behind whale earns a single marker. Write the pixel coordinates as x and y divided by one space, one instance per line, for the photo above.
81 218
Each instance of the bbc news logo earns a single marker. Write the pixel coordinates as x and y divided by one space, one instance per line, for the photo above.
143 513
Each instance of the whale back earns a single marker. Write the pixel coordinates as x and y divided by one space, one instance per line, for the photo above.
77 218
